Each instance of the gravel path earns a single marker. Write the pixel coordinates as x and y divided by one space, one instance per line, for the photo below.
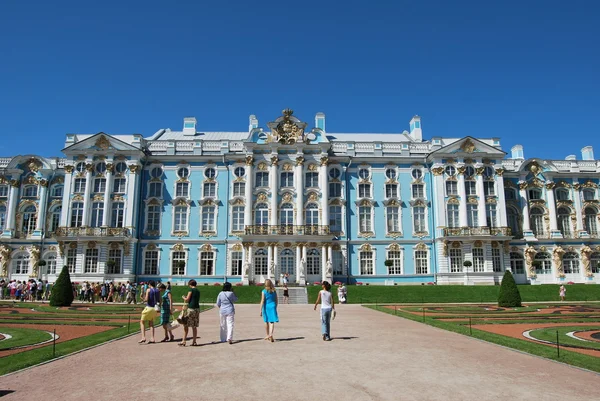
373 356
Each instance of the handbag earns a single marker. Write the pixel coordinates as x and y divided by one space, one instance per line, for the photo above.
173 324
182 318
156 301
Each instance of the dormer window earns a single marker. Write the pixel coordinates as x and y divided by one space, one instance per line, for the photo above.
183 172
80 167
210 173
417 173
239 172
363 173
335 173
120 167
390 173
156 173
101 168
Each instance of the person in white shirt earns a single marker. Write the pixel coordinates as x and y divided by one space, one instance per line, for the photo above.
327 307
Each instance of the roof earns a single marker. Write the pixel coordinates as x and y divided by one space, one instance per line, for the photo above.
369 137
168 135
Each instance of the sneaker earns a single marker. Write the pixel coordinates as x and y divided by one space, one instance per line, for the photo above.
324 337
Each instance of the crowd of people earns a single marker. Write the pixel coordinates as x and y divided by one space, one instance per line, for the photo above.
30 290
107 292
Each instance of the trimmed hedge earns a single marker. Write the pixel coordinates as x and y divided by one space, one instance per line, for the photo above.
62 291
509 295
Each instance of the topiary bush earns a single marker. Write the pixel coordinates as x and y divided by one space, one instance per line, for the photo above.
509 296
62 291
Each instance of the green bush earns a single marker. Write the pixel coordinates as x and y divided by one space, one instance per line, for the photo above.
509 295
62 291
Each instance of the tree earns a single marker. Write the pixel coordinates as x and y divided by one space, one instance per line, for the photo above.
509 295
389 263
62 291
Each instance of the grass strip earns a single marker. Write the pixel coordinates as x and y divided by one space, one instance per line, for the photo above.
549 334
21 337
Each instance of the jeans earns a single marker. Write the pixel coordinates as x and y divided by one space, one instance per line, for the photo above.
325 321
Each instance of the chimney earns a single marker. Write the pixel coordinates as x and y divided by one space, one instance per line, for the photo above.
253 122
516 152
189 126
587 153
320 121
415 129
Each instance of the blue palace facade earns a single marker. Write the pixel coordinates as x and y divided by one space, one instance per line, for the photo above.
292 199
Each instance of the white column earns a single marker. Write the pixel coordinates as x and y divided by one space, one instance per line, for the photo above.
462 209
269 259
39 225
324 191
248 191
481 213
577 203
324 262
12 205
525 206
66 200
132 193
298 261
551 206
299 179
86 196
273 179
330 254
107 195
438 201
250 263
501 198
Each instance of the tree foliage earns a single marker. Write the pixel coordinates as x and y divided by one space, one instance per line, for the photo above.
62 291
509 296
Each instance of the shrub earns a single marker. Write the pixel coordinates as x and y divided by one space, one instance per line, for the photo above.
467 263
389 263
62 291
509 295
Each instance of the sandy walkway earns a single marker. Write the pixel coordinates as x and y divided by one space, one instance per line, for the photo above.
373 356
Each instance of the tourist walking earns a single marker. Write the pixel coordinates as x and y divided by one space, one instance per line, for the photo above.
166 311
192 313
268 309
225 301
327 306
562 292
152 299
286 294
341 292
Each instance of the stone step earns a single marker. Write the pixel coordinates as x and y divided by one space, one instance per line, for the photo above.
296 295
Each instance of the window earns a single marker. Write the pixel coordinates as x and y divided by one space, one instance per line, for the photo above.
21 263
119 185
3 191
364 190
366 262
469 172
510 194
153 218
311 215
178 260
363 173
207 263
337 263
210 189
156 172
491 215
97 214
71 259
210 173
517 263
545 266
390 173
237 218
335 173
51 263
418 191
312 179
286 215
393 219
239 189
564 221
421 262
496 260
456 261
236 263
391 190
181 220
239 172
396 258
478 260
512 216
472 215
287 262
261 215
489 188
419 223
118 214
537 221
116 256
470 188
417 173
562 194
287 179
534 194
261 267
335 219
591 221
588 194
79 186
364 218
450 171
262 179
80 167
57 191
208 218
571 263
120 167
183 172
2 217
182 190
452 211
595 262
151 263
29 220
313 262
335 189
451 188
99 185
155 190
30 191
91 261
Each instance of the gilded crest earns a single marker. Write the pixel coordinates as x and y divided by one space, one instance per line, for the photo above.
287 129
468 146
102 143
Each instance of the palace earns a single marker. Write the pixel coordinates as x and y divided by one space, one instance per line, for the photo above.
289 199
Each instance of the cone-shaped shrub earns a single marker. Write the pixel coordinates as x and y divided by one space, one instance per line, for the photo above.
62 291
509 296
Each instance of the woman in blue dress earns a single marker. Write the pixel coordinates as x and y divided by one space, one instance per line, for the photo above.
268 309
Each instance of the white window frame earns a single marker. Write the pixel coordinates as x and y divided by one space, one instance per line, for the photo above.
150 261
178 228
456 259
421 260
366 262
91 261
478 255
172 261
397 257
207 261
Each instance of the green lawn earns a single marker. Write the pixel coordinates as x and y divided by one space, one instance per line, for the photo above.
21 337
549 334
247 294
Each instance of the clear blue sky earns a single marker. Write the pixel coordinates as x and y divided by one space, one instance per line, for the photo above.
525 71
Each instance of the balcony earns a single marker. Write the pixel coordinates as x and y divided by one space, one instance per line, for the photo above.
287 230
76 232
476 231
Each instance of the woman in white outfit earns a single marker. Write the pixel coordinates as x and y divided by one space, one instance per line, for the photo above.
225 302
327 306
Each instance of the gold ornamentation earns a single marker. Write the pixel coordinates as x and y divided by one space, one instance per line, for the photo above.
133 168
456 245
478 244
445 249
249 160
394 247
453 201
262 166
262 197
34 165
178 247
15 183
529 257
500 172
366 248
468 146
151 247
30 180
98 198
420 247
312 167
89 167
437 170
313 197
461 170
91 244
206 248
288 167
523 185
550 185
535 168
288 131
126 248
590 184
102 143
287 197
274 160
299 161
586 252
480 170
44 183
236 247
69 169
324 161
5 252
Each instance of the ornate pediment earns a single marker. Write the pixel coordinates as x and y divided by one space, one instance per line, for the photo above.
287 129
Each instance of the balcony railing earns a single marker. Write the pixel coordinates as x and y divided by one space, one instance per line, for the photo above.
287 230
112 232
473 231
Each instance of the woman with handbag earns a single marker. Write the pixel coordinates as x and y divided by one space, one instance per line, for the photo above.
192 313
166 310
152 299
225 301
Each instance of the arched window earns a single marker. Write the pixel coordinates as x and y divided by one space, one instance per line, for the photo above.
589 194
564 221
335 219
419 222
472 220
177 257
207 263
181 218
571 263
30 191
591 221
312 214
118 214
287 262
2 217
491 215
393 219
452 216
512 216
537 221
261 266
535 194
261 214
208 218
595 262
57 191
29 220
396 257
97 214
517 263
364 218
286 215
54 219
313 262
77 214
562 194
153 218
510 194
21 263
545 263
